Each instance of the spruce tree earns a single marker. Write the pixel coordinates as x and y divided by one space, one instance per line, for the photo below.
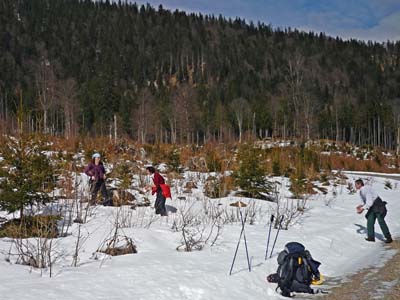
250 175
27 174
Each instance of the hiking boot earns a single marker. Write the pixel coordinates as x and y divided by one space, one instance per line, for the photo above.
388 240
369 239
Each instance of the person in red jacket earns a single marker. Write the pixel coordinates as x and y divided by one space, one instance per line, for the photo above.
158 180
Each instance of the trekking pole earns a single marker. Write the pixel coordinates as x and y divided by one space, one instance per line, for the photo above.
237 246
245 241
269 234
279 228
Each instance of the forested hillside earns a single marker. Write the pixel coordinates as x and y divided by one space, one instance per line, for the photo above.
70 67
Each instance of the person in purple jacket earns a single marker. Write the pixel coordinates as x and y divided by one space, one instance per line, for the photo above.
95 170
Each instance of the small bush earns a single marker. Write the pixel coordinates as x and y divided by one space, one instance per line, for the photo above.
276 167
249 175
388 185
31 226
217 187
118 245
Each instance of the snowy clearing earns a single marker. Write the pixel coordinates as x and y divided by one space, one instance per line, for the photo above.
329 228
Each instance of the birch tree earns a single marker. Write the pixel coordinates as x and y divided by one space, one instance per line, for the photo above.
241 110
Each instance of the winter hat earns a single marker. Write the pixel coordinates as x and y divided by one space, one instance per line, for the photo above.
96 155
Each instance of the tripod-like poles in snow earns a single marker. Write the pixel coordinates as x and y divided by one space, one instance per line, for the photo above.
239 205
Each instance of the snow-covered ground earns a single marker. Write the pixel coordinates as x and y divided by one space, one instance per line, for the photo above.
329 228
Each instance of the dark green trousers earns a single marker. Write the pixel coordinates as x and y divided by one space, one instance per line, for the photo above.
372 216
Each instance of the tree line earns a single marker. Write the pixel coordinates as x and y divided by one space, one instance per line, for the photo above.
77 67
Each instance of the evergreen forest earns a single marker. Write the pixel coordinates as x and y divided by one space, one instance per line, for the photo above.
81 68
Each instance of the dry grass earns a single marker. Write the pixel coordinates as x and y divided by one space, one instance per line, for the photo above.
118 245
220 157
130 249
31 226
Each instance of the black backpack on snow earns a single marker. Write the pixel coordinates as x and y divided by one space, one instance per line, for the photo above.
296 270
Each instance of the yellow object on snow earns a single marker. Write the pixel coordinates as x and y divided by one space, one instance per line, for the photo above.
318 282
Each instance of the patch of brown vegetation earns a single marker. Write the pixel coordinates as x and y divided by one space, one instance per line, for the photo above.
129 249
31 226
119 245
122 197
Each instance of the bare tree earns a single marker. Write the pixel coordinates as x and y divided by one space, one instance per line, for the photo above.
45 80
199 226
241 110
66 92
398 138
183 110
287 210
294 79
143 115
302 101
80 241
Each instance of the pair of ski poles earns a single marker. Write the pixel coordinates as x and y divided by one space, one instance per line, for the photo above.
276 236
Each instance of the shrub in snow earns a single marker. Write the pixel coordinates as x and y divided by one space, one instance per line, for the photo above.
115 243
197 164
288 208
27 174
31 226
276 167
350 188
124 172
37 253
249 175
123 197
388 185
190 185
173 160
199 227
118 245
217 187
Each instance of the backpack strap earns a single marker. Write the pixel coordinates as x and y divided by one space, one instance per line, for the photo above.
312 264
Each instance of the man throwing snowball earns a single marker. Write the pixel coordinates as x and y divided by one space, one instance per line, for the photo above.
376 210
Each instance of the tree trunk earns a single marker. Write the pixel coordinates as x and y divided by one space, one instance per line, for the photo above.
398 140
337 127
115 128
